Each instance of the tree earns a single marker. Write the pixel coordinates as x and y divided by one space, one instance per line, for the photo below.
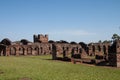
73 42
63 41
6 41
115 37
107 41
99 41
24 41
51 41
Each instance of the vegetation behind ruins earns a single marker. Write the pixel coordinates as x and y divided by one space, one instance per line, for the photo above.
43 68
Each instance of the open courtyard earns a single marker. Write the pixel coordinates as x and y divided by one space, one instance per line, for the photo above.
43 68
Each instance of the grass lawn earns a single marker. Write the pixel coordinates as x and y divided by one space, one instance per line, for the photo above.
42 68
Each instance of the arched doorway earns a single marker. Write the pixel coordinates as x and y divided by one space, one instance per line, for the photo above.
36 49
12 51
29 51
21 51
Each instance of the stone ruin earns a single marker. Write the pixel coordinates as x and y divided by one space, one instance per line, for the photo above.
40 46
66 51
40 38
114 54
102 52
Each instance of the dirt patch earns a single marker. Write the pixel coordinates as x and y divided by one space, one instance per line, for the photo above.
1 72
25 78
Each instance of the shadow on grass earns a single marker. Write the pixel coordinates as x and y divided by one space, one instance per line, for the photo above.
25 78
103 63
66 59
1 72
85 61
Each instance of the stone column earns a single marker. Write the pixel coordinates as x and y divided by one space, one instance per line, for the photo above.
54 51
25 51
17 51
7 51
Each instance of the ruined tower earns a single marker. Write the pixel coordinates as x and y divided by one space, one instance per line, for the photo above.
40 38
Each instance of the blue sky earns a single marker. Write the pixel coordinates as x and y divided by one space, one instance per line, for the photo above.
71 20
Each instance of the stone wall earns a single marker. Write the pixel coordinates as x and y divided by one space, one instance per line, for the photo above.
66 50
32 49
98 49
114 60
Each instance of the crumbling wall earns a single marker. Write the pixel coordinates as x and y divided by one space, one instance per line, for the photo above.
33 49
66 50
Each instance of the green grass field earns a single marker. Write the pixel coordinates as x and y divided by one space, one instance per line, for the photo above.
43 68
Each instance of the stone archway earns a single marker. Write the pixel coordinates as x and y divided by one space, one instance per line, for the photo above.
99 48
36 51
21 51
29 51
13 51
